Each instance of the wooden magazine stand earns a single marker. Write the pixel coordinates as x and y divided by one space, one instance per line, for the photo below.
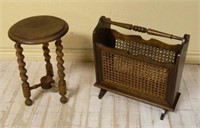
146 70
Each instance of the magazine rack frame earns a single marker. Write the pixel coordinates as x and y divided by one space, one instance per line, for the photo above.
146 70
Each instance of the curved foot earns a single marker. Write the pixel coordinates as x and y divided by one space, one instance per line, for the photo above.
102 93
64 99
28 102
164 112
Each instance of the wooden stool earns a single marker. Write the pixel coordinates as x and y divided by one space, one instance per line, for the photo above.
40 30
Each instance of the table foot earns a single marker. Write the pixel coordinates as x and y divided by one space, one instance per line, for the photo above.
64 99
28 102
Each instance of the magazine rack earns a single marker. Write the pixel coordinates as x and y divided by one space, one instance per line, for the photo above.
146 70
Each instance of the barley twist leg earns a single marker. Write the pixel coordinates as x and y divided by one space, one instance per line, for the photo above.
49 67
61 74
25 85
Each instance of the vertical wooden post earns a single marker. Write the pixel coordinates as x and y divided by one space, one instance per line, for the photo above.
25 85
49 68
61 74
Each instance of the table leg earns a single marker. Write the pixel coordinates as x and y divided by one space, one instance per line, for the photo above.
61 74
46 81
25 85
49 67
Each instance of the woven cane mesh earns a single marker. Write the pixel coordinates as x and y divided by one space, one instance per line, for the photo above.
136 48
134 75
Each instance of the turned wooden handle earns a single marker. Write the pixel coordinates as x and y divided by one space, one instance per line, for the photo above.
143 30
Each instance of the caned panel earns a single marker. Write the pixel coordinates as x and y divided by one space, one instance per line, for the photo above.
155 53
134 75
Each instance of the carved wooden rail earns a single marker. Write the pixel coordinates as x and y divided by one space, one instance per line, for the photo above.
144 30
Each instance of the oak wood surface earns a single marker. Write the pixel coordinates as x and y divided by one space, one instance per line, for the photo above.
26 31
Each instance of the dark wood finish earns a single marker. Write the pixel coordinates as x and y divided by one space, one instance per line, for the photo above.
26 31
46 82
164 112
49 67
146 70
61 74
23 75
40 30
143 30
174 105
102 93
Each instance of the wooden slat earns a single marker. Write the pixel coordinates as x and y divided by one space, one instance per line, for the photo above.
133 114
145 115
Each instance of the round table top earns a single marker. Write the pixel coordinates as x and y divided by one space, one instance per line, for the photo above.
38 30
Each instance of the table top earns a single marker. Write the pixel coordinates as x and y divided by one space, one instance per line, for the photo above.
38 30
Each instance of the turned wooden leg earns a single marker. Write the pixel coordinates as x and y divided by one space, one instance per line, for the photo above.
102 93
48 79
23 71
61 74
49 67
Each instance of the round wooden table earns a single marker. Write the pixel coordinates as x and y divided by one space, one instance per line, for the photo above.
40 30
